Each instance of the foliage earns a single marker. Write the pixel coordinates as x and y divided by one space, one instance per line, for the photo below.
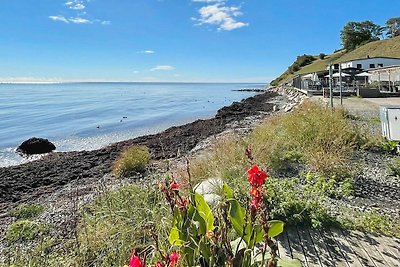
25 230
389 146
393 27
27 211
203 236
323 137
370 221
300 62
118 221
355 34
394 167
321 56
134 159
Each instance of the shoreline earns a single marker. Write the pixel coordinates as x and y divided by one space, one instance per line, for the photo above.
33 179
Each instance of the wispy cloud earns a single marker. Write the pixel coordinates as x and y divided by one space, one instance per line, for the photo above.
162 67
147 52
218 13
78 7
59 18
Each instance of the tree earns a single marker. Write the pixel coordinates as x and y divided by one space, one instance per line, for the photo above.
393 27
355 34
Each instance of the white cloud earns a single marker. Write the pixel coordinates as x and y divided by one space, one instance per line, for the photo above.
78 7
76 20
221 15
59 18
147 52
79 20
162 67
76 4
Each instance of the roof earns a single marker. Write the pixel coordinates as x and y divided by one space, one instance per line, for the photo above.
380 69
366 58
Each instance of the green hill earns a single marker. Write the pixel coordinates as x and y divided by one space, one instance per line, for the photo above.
382 48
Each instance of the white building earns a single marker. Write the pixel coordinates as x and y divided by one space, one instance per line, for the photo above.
369 63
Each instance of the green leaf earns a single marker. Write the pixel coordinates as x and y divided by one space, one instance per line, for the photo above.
237 214
173 238
204 211
227 191
289 263
275 228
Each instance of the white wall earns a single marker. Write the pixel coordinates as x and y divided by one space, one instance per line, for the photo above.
384 76
365 63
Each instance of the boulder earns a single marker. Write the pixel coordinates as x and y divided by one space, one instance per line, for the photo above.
36 146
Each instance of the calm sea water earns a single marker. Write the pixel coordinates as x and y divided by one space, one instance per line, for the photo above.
87 116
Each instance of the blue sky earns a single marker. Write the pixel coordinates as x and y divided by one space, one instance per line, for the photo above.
171 40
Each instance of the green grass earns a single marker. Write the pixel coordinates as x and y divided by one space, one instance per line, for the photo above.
25 230
27 211
383 48
119 221
394 167
133 160
370 221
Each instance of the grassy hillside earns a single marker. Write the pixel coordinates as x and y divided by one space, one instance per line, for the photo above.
383 48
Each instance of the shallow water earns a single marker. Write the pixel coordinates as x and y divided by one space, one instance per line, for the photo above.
87 116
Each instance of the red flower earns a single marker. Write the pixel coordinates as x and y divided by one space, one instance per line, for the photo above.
159 264
174 185
135 260
255 203
182 203
256 192
173 257
256 176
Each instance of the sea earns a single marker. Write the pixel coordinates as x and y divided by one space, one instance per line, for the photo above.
88 116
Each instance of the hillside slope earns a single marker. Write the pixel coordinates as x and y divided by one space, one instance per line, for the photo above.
382 48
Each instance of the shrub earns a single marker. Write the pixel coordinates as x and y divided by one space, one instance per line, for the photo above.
394 167
388 146
27 211
134 159
322 56
323 138
25 230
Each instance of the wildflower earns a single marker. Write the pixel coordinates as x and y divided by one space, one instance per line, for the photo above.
174 185
173 257
135 260
256 192
256 176
255 203
182 203
159 264
209 234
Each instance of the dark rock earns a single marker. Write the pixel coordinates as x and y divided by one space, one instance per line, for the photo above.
36 146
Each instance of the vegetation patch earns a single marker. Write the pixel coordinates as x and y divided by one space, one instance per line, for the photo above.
27 211
133 160
118 221
25 230
394 167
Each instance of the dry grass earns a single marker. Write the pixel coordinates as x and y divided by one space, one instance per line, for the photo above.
320 137
134 159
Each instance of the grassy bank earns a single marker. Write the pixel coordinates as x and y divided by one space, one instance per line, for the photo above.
308 154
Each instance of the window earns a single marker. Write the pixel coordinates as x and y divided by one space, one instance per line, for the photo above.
371 66
359 66
380 65
336 66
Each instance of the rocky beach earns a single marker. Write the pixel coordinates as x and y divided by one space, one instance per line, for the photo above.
31 180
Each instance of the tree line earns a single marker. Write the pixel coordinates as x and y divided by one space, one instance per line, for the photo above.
355 34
